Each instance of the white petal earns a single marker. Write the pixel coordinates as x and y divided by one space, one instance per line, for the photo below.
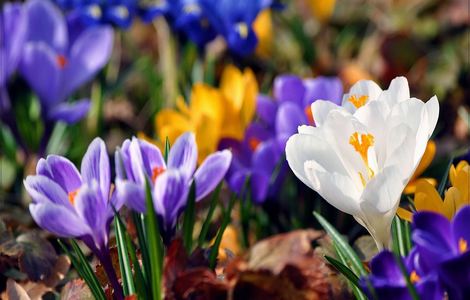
337 189
320 110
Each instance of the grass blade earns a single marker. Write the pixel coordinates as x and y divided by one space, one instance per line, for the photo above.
445 176
189 218
225 221
154 243
343 270
343 246
124 263
409 285
167 149
210 213
399 236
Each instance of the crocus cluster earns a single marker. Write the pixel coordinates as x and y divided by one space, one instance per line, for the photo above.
439 264
202 20
82 204
119 13
360 155
138 162
261 153
55 58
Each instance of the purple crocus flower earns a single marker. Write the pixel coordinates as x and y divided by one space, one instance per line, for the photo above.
293 97
388 282
55 66
256 157
76 204
262 149
444 246
138 161
12 35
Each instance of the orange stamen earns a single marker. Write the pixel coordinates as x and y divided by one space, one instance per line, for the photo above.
414 278
463 245
361 144
157 171
309 114
72 196
254 143
61 61
358 101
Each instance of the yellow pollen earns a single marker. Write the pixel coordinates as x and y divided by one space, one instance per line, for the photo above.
358 101
72 196
463 245
157 172
242 29
414 278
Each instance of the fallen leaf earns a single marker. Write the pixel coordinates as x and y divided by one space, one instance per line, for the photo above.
286 267
76 290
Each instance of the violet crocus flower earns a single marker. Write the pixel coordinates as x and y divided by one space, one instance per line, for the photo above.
138 161
445 246
293 97
12 35
256 158
75 204
388 281
55 66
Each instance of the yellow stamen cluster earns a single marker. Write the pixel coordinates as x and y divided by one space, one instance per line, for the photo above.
95 11
463 245
242 29
309 114
414 278
361 144
358 101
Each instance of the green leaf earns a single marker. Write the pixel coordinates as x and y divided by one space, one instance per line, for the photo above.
84 269
155 246
400 236
445 176
343 246
138 220
124 263
210 213
225 221
343 270
167 149
189 218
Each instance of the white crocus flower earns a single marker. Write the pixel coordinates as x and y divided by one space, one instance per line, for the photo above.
360 160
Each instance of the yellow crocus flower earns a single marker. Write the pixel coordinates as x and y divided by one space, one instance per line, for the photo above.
321 9
458 195
426 160
212 114
263 27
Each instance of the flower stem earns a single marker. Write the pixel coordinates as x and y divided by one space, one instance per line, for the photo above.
107 264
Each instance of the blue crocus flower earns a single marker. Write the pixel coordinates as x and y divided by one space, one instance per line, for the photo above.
119 13
189 19
234 21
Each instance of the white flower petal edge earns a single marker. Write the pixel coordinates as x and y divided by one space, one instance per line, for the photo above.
361 161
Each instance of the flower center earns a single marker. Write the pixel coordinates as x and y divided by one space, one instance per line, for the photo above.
463 245
72 196
242 29
254 143
95 11
309 114
361 143
122 11
358 101
61 61
414 277
191 8
157 171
